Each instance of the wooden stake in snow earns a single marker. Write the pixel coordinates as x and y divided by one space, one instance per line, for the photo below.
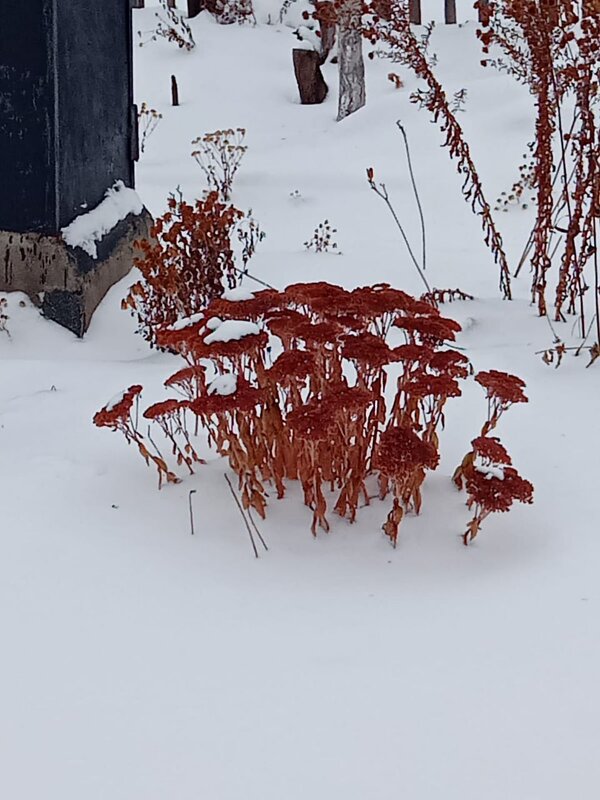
311 84
450 12
350 60
414 12
174 91
192 491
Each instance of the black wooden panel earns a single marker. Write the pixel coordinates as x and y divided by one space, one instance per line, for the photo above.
27 145
95 88
66 122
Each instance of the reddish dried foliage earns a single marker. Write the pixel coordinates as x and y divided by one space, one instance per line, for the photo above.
319 413
185 263
486 471
553 47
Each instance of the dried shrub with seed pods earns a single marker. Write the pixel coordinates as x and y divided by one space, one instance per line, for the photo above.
219 154
188 261
3 316
172 26
148 119
229 12
322 240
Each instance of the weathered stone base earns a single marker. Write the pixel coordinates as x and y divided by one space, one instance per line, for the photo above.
66 282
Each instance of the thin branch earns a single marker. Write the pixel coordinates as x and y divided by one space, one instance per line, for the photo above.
416 192
239 505
381 191
192 491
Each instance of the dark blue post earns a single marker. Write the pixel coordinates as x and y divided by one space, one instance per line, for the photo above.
68 132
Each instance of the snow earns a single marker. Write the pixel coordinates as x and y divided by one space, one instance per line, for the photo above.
142 663
232 330
90 228
186 322
489 470
213 323
238 293
114 401
223 384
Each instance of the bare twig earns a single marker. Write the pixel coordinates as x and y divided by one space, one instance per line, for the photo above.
416 192
381 191
246 274
258 533
192 491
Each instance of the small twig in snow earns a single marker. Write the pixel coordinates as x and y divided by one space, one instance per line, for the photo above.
239 505
192 491
416 192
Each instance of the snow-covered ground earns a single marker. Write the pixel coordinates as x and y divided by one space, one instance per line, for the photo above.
140 663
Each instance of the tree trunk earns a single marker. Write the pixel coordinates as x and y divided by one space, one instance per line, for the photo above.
350 60
194 7
311 83
450 12
414 12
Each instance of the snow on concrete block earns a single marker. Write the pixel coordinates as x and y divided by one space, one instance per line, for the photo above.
90 228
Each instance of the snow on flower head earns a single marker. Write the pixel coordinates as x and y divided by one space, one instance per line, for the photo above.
186 322
488 470
224 385
114 401
232 330
237 294
213 323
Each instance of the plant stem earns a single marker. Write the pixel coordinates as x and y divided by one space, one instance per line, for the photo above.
239 505
192 491
381 191
415 190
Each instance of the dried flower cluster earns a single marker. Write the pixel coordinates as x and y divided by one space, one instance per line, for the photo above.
3 316
525 182
486 472
292 386
229 12
322 240
219 155
440 296
117 416
148 119
170 25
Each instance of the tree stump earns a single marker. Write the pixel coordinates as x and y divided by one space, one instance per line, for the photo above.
310 80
